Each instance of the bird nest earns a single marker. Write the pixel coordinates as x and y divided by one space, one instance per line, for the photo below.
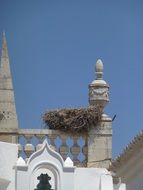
78 120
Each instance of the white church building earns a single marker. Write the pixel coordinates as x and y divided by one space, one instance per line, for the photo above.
64 160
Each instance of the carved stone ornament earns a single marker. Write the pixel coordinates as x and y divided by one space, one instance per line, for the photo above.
1 116
99 93
99 89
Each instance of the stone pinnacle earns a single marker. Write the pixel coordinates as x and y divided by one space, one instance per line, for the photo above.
99 69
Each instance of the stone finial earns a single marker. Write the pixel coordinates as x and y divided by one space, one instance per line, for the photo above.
99 89
99 69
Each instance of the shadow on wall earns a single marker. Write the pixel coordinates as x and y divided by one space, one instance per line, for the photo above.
4 184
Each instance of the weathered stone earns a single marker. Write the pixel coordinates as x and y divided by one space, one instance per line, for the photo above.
8 114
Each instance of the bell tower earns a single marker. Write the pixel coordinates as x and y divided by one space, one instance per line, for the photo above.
8 116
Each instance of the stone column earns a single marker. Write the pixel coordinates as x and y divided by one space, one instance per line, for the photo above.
100 144
99 136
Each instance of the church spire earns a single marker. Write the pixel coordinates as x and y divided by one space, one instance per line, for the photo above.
8 116
5 67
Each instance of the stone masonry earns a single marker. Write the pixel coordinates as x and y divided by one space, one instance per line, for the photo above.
98 141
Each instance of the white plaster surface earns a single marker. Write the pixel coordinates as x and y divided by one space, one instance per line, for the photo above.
20 162
45 160
93 179
63 176
4 184
106 181
15 174
8 158
68 162
121 186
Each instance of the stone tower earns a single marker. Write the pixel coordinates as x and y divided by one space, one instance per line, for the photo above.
100 136
8 116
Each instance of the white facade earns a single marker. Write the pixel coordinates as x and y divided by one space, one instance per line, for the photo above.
8 158
16 174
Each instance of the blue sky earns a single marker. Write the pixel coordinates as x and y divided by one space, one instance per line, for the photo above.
53 46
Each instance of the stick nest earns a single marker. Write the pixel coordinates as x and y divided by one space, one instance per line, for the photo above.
77 120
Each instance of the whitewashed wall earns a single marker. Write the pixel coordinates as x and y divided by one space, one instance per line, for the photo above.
16 174
8 158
